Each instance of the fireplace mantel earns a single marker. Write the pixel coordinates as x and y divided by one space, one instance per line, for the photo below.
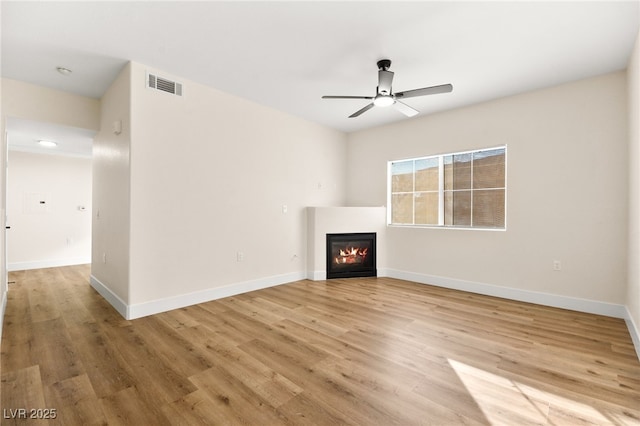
334 220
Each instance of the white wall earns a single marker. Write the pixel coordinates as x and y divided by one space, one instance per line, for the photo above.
633 289
567 192
111 205
56 233
209 174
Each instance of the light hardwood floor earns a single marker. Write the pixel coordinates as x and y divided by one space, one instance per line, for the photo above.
371 351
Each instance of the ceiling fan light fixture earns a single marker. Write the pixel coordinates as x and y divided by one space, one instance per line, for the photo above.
383 100
385 97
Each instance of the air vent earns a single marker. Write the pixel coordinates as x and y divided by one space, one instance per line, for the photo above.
164 85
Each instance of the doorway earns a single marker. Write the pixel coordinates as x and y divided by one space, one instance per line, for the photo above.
48 191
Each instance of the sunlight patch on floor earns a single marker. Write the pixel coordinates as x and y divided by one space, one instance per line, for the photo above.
505 402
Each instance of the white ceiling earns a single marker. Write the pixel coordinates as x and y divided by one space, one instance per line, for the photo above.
286 55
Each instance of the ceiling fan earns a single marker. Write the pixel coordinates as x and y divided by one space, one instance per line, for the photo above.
385 97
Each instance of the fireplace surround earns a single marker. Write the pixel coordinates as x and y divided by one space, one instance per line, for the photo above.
351 255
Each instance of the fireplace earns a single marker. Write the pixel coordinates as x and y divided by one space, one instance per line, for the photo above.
351 255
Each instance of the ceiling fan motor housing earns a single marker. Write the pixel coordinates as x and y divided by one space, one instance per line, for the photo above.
384 64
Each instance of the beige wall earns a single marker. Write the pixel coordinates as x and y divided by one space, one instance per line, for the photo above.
566 196
37 103
111 202
633 289
210 174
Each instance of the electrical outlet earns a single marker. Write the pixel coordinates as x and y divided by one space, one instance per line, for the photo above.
104 257
240 256
557 265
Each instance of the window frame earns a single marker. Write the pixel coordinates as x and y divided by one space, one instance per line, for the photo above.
441 191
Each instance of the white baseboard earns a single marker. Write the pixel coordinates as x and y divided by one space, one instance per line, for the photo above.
55 263
317 275
634 331
3 308
111 297
140 310
162 305
546 299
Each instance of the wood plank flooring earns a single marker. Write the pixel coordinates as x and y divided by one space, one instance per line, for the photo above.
370 351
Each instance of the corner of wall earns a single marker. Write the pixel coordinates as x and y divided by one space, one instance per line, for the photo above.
633 248
110 229
634 331
113 299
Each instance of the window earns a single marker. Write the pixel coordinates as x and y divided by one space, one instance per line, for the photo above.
463 190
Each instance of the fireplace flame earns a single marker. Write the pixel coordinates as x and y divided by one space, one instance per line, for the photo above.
352 255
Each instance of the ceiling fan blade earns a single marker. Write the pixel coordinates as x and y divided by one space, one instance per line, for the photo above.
385 78
405 109
444 88
360 111
347 97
